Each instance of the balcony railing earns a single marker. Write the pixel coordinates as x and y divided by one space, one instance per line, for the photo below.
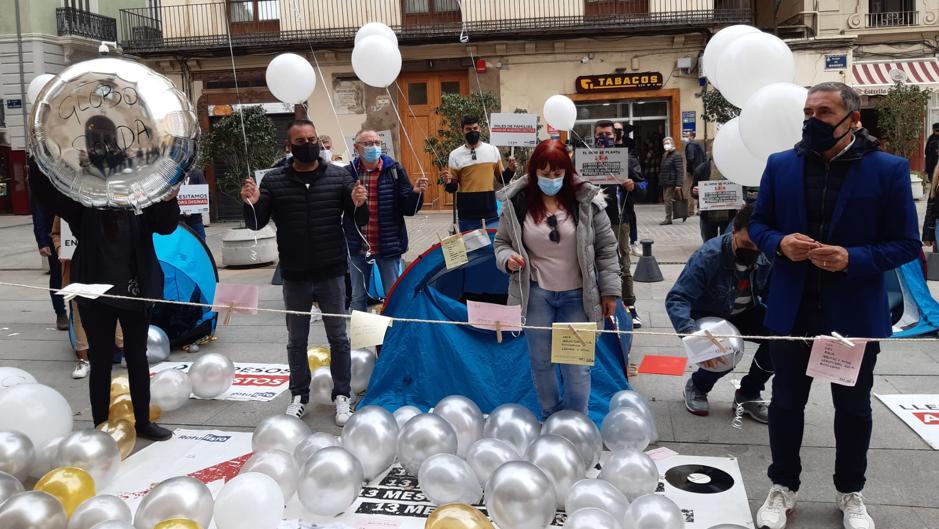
332 23
71 21
892 19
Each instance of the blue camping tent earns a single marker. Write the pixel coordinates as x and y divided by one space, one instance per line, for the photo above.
420 363
914 312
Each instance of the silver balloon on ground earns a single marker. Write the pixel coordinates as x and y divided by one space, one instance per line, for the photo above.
405 413
170 389
32 510
158 345
628 398
559 460
423 436
514 424
445 478
465 418
12 376
16 454
110 132
363 363
45 457
94 452
371 435
632 472
312 444
278 465
653 511
488 454
211 375
330 481
99 509
321 386
520 496
591 518
179 497
35 410
580 431
9 486
597 494
626 429
114 524
280 432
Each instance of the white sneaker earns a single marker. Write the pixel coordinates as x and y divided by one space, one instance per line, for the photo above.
81 369
855 513
296 408
343 410
635 249
779 503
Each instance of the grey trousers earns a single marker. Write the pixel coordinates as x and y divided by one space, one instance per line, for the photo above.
331 296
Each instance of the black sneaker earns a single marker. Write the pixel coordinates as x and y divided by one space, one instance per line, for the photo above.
637 323
61 322
153 432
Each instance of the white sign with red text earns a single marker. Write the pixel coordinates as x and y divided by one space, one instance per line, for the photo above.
919 412
193 199
513 130
253 382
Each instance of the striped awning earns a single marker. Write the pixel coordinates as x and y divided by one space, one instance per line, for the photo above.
875 78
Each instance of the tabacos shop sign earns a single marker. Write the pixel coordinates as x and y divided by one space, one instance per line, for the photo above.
591 84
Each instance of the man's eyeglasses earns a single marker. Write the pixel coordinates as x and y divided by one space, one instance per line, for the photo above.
555 235
370 143
304 141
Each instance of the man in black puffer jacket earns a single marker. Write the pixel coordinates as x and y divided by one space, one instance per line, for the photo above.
307 201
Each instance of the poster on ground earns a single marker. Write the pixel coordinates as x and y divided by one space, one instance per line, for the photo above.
253 382
602 166
919 412
513 130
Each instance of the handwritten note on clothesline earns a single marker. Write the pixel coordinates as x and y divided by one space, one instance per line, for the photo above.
700 347
235 298
491 316
574 343
367 329
83 290
454 251
835 361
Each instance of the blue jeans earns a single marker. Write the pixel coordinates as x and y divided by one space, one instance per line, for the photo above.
360 274
544 308
475 224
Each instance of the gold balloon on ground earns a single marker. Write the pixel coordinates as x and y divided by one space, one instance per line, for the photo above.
70 485
457 516
121 408
119 386
318 357
123 432
177 523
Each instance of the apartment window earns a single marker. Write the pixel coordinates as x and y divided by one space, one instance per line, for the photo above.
88 6
421 7
887 13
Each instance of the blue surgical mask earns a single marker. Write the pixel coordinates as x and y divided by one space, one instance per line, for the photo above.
371 153
550 186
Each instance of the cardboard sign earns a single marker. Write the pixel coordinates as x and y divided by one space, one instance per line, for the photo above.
719 194
492 317
68 241
700 347
513 130
367 329
835 361
919 412
193 199
574 343
602 166
253 382
454 251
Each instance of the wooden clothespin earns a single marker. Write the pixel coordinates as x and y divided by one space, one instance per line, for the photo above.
499 332
577 334
456 229
715 341
842 339
231 307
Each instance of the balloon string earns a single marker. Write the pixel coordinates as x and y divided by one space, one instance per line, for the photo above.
234 72
417 159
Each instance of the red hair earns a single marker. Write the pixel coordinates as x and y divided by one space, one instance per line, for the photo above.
551 153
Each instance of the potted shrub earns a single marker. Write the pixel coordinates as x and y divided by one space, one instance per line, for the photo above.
900 115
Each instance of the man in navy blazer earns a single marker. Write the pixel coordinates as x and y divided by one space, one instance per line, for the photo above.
836 212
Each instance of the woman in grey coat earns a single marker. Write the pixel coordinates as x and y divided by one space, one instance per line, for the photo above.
556 244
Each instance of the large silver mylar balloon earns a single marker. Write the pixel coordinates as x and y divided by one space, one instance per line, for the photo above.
94 452
580 431
404 414
626 429
330 481
99 509
520 496
280 432
363 363
514 424
559 460
632 472
16 454
422 437
312 444
321 386
211 375
111 132
628 398
45 457
371 435
488 454
591 518
653 511
9 486
179 497
465 418
278 465
170 389
731 359
158 345
598 494
32 510
445 478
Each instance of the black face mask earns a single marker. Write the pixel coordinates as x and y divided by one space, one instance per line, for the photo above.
819 136
746 257
472 137
306 153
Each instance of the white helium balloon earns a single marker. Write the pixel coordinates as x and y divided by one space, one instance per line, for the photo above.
376 61
751 62
733 159
363 363
99 509
36 86
591 518
376 28
771 121
170 389
445 478
279 466
404 414
312 444
598 494
45 458
371 435
9 486
514 424
580 431
560 112
179 497
628 398
423 436
211 375
632 472
465 418
158 345
32 510
559 460
488 454
715 48
626 429
653 511
37 411
330 481
12 376
279 432
16 454
290 78
520 496
94 452
249 501
321 386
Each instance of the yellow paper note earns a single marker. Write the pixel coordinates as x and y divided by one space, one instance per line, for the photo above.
454 251
568 347
367 329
